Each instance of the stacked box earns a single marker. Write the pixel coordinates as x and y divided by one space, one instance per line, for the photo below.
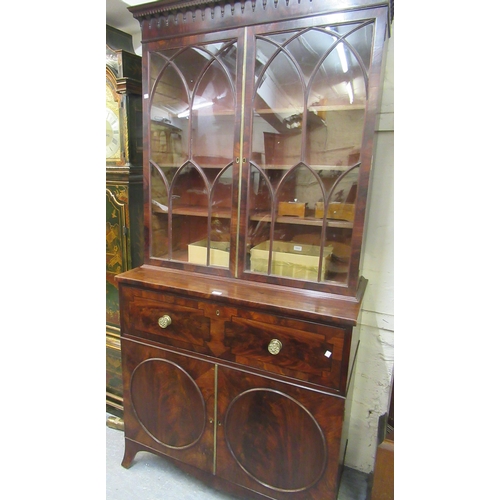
291 208
336 210
219 253
294 260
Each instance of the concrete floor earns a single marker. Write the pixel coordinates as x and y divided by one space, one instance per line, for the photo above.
153 478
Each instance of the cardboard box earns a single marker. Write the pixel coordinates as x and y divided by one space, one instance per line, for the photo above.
295 260
336 210
219 253
292 208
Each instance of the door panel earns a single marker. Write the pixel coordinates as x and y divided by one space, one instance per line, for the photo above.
276 438
169 403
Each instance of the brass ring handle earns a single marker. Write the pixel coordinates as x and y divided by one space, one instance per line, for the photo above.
164 321
274 347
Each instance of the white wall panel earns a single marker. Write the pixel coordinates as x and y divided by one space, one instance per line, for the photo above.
374 367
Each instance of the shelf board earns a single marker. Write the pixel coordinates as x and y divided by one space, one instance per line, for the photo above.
225 213
221 213
298 110
338 168
303 221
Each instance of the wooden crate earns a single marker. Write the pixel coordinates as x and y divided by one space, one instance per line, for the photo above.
295 260
336 210
219 253
291 208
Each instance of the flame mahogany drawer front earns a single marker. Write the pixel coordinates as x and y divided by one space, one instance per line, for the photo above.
304 350
144 315
309 351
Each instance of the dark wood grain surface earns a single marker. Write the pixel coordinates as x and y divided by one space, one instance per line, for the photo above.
206 390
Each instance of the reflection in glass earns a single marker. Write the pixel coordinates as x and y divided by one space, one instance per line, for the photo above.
213 117
169 145
160 210
220 226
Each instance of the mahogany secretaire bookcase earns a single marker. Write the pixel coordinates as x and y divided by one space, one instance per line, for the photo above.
237 333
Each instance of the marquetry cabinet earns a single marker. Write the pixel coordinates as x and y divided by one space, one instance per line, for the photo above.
124 198
238 333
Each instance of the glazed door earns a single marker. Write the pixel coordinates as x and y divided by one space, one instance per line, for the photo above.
194 134
307 103
276 438
169 403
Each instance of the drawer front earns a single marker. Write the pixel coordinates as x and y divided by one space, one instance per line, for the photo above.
304 350
308 351
142 311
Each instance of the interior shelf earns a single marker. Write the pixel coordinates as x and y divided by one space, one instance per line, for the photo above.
304 221
221 213
225 213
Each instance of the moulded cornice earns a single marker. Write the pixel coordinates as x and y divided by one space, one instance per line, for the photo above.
157 9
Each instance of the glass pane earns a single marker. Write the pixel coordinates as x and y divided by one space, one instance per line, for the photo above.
220 227
358 40
169 134
260 208
213 118
190 192
307 49
278 100
336 106
340 216
159 213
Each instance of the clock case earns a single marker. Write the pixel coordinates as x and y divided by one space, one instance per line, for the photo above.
124 195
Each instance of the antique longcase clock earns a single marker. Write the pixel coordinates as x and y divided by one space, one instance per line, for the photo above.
123 189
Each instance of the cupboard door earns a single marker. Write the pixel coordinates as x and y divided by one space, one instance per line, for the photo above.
169 403
277 439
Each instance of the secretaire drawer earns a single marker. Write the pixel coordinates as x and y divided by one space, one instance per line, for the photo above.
309 351
165 318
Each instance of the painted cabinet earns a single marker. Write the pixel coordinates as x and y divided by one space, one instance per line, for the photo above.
124 213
